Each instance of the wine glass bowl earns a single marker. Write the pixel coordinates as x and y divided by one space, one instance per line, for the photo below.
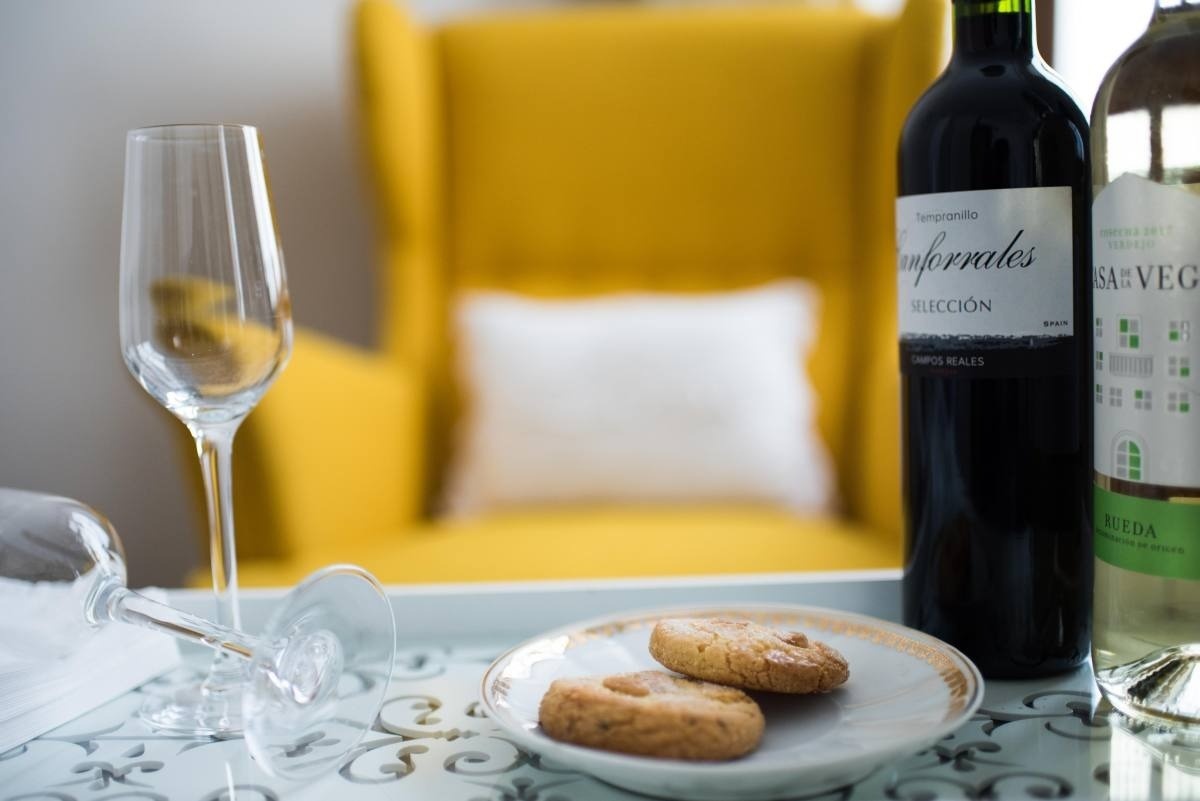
55 555
205 313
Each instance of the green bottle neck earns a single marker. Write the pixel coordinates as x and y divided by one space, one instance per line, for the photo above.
994 29
1164 9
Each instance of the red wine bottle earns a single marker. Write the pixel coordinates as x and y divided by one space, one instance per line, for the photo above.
993 241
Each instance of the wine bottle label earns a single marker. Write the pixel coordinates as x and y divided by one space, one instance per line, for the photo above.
1160 538
989 264
1146 305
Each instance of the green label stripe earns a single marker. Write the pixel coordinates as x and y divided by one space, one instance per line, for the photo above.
971 8
1159 538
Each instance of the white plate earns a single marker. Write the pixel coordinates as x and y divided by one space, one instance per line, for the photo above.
906 691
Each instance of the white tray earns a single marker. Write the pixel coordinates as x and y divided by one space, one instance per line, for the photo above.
432 742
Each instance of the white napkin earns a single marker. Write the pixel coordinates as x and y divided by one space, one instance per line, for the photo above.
54 668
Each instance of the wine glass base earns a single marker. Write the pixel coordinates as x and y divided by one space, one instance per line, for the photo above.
198 710
317 685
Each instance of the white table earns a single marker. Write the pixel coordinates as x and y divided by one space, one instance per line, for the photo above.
1031 739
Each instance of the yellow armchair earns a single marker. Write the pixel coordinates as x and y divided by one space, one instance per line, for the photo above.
578 151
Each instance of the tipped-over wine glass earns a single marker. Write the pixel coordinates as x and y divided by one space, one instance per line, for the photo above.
316 674
205 328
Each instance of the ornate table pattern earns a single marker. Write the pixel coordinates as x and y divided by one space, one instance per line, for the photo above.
431 741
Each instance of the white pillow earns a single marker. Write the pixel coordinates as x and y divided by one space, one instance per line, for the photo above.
639 398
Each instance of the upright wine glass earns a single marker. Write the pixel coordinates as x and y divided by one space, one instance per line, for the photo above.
205 328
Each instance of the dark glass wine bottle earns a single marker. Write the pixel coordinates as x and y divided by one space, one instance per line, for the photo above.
993 240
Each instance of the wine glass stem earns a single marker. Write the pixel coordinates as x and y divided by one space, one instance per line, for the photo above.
126 606
214 445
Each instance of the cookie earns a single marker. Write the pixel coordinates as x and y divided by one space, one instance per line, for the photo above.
652 714
739 653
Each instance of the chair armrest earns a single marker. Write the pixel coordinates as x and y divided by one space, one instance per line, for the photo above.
333 453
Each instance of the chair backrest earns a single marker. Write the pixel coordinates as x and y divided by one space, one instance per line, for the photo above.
588 150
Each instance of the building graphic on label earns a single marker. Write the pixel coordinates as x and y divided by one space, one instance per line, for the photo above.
1129 457
1127 361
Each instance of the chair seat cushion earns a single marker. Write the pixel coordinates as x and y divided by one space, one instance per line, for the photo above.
599 543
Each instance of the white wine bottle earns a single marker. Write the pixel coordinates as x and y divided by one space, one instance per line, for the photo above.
1146 305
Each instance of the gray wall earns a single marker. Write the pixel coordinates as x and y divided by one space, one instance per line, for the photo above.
74 76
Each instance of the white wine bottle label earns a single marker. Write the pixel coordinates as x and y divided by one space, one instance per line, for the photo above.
1146 308
1146 299
987 264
